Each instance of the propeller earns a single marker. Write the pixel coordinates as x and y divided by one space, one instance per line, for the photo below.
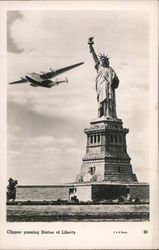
66 80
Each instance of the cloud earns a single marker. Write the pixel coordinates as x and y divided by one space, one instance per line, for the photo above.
12 16
44 29
44 140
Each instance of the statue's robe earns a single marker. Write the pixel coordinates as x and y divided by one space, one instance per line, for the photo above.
106 82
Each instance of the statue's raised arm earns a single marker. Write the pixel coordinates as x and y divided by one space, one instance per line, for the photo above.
92 51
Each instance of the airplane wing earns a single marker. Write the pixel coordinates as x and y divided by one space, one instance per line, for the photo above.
60 71
20 81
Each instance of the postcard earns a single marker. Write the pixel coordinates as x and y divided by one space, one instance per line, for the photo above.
79 124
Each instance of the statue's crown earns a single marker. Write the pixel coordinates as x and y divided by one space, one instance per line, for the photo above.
100 56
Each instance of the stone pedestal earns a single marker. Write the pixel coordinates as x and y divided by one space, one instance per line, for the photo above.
106 157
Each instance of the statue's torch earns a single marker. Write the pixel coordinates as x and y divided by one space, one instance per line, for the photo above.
91 42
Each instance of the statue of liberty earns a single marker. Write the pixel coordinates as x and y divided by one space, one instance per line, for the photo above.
106 83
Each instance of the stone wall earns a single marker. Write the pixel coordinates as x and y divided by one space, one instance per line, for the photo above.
40 193
84 193
140 191
108 192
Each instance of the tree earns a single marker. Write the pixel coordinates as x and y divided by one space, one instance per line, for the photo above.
11 189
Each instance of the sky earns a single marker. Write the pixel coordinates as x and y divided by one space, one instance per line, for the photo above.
46 140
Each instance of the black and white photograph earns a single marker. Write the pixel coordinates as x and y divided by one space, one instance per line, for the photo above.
79 110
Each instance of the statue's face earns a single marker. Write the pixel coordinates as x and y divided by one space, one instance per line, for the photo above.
104 61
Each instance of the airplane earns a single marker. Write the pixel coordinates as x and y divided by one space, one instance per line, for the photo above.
43 79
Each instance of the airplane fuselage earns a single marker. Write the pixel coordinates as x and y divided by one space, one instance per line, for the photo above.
43 83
